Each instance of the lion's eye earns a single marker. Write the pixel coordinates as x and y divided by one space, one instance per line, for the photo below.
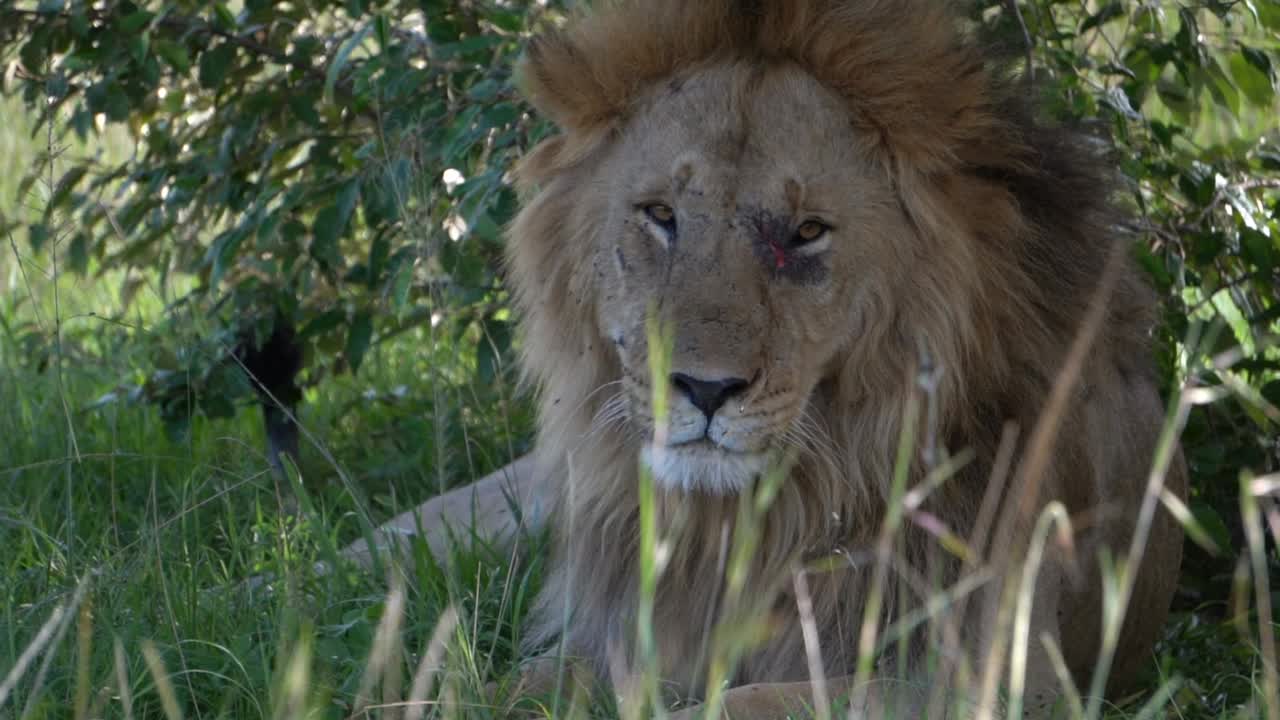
662 215
810 231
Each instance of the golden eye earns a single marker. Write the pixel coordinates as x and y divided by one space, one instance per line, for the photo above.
810 230
661 214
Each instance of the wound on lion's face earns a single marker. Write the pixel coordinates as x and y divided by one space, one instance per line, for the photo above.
772 234
779 255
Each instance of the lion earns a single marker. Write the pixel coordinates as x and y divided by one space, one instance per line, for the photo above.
837 211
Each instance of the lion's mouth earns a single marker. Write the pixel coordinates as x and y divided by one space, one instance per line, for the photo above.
702 466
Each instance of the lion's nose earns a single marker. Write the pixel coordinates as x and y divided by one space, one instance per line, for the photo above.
708 395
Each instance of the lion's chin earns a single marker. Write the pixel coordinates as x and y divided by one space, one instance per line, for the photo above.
702 467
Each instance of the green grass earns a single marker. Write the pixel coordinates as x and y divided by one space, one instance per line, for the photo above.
117 537
162 535
125 551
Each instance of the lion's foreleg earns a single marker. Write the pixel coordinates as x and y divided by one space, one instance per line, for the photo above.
483 509
560 680
886 699
891 699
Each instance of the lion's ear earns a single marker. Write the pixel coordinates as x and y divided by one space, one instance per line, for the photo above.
558 79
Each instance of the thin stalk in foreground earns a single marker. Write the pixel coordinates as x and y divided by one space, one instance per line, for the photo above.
164 688
51 628
894 512
1249 511
1054 513
1166 450
737 629
660 347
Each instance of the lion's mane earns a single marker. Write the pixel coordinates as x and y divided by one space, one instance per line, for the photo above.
1020 208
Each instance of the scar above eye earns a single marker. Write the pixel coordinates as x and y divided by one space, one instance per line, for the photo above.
794 192
682 175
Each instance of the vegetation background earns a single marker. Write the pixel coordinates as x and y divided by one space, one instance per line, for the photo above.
312 194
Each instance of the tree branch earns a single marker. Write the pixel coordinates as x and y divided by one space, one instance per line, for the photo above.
1026 37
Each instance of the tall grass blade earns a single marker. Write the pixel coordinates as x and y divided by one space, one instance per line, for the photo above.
123 688
164 688
1253 534
432 657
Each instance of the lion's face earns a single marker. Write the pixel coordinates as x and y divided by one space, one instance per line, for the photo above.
745 210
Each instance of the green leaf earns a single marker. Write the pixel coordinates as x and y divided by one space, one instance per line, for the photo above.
1116 99
401 284
1259 249
506 20
174 54
1110 11
1163 133
347 199
1271 391
379 250
1269 14
139 46
34 51
79 24
1117 69
322 324
501 114
485 90
116 103
1175 97
340 60
37 235
1146 20
1187 39
359 335
325 231
214 65
1251 70
222 254
1257 58
495 341
78 254
226 19
378 199
303 106
1211 525
382 32
66 185
1221 88
135 21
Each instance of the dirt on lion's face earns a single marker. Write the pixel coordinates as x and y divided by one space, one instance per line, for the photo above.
743 213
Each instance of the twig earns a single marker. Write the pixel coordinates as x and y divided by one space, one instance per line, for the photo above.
1026 38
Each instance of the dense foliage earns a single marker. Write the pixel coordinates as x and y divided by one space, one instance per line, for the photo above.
1187 94
335 173
290 158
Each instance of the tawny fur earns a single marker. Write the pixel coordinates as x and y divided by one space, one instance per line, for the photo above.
1012 229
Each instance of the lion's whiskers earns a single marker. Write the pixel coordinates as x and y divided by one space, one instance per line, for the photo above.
611 415
809 434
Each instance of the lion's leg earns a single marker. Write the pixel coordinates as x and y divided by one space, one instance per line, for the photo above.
892 698
483 508
887 699
541 682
